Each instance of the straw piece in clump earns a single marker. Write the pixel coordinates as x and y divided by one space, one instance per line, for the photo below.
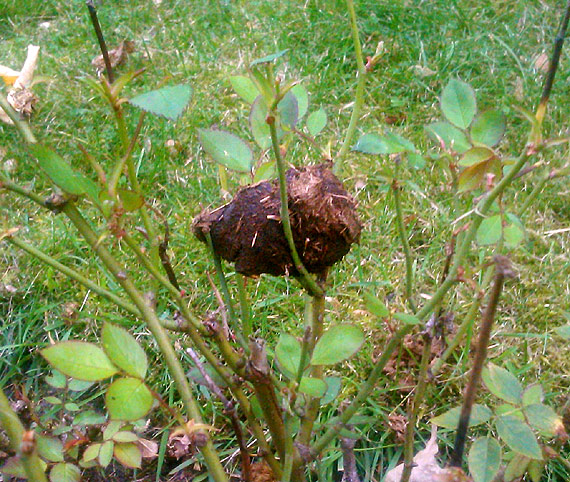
248 230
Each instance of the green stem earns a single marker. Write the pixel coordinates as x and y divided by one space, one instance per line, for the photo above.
245 306
534 193
403 235
14 429
74 275
367 387
415 410
359 94
147 313
22 191
305 278
20 124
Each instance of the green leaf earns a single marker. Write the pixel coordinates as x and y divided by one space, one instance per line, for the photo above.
513 232
484 459
337 344
106 453
508 409
313 387
407 319
518 436
490 230
532 394
375 306
475 155
316 122
125 436
450 419
91 452
79 359
288 110
65 472
488 128
545 420
128 399
49 448
448 135
472 177
563 331
302 97
535 469
333 389
56 379
72 407
390 143
244 87
111 429
169 102
269 58
458 103
123 350
14 466
266 171
516 467
58 170
502 384
79 385
257 125
88 417
416 161
130 200
129 455
288 354
226 149
53 400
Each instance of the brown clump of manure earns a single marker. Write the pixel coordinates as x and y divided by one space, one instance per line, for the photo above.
248 231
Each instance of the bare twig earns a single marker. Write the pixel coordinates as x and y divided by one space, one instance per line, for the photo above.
100 39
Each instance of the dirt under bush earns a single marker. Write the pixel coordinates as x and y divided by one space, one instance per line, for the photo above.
248 231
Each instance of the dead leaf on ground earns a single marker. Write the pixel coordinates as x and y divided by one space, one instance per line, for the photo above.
397 423
542 62
117 56
261 472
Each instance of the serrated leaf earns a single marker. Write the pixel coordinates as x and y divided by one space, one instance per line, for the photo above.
269 58
125 436
375 306
450 419
302 97
58 170
288 354
502 384
169 102
337 344
123 350
518 436
458 103
226 149
490 230
563 331
111 429
488 128
472 177
88 417
532 394
450 136
333 389
313 387
128 399
128 454
317 121
508 409
244 87
91 452
79 359
475 155
484 459
516 467
106 453
407 318
545 420
64 472
49 448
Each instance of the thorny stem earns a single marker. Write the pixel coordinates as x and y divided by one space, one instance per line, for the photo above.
305 278
15 431
359 94
403 235
414 409
503 270
74 275
367 387
160 335
100 39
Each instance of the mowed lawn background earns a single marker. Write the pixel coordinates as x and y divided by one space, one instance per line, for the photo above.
496 46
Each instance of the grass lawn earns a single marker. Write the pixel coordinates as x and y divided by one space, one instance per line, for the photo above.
495 46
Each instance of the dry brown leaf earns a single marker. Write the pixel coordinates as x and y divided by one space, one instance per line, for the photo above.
148 448
117 56
261 472
542 62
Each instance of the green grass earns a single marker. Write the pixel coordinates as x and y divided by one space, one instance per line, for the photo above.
491 44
